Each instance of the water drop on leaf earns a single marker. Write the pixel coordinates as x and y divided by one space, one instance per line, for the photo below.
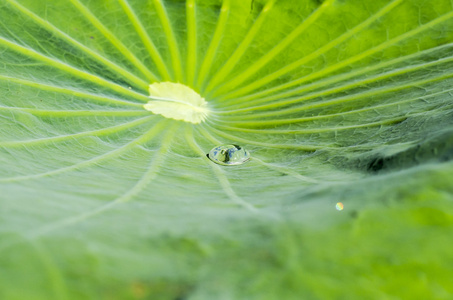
339 206
228 155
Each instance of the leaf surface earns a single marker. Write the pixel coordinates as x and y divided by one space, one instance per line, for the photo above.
337 101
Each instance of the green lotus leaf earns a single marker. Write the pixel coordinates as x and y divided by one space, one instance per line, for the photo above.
344 106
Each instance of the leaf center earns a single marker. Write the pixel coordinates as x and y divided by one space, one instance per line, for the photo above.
177 101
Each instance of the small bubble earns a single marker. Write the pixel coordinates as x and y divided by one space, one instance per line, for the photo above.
228 155
339 206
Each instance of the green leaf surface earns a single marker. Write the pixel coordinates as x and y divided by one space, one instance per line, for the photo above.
337 101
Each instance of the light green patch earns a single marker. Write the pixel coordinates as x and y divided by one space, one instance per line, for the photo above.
177 101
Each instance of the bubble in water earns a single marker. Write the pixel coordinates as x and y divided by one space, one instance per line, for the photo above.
228 155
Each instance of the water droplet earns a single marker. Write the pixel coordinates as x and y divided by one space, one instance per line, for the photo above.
228 155
339 206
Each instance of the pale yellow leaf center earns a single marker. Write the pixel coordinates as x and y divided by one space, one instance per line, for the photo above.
177 101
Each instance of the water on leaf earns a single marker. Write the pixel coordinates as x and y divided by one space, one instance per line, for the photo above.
228 155
339 206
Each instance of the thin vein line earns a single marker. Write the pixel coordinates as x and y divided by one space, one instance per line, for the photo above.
278 122
191 41
144 36
315 130
154 166
214 45
114 40
246 101
341 88
134 80
255 67
240 50
103 99
223 180
235 138
348 34
352 59
284 171
148 176
111 154
171 39
76 113
208 136
97 133
374 92
71 70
